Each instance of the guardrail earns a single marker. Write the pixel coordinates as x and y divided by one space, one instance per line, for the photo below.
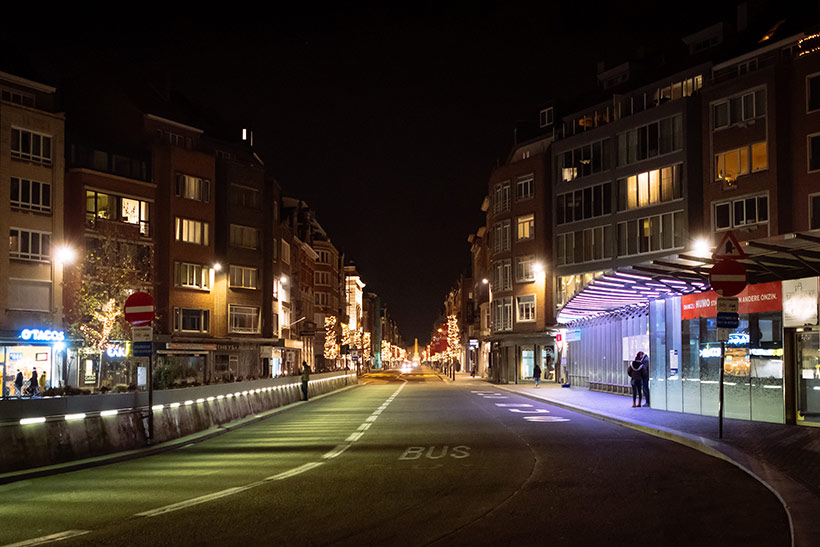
37 410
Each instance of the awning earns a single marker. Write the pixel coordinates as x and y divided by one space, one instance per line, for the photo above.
787 256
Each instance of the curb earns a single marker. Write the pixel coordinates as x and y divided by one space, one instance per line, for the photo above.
167 446
801 506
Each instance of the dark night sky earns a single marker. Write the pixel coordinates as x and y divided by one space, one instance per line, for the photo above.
387 123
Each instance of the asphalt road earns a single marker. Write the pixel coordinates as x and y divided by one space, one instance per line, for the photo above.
406 459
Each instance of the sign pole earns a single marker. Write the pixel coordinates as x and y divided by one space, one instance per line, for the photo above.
150 400
720 396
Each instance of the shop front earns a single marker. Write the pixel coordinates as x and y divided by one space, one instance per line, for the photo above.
753 364
800 319
37 348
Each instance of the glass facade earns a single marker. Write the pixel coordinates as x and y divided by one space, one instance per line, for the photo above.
807 349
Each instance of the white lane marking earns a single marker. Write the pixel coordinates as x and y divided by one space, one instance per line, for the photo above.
507 405
533 411
197 501
336 451
293 472
545 419
372 417
48 539
353 437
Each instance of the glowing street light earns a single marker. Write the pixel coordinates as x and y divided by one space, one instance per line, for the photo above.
65 254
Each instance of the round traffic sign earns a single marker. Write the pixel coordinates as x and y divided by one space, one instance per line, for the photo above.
139 309
728 277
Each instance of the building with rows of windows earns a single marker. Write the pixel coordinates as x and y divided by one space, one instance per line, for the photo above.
645 177
243 279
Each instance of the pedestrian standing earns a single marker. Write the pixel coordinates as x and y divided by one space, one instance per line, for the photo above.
536 374
42 382
635 372
18 383
305 380
645 382
33 382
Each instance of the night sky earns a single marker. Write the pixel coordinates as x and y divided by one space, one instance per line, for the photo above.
387 123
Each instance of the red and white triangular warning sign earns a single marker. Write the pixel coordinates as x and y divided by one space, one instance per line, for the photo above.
728 247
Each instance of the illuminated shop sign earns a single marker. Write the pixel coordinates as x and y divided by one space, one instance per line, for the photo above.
706 353
738 339
116 350
42 335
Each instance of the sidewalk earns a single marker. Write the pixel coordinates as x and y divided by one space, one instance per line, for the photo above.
786 458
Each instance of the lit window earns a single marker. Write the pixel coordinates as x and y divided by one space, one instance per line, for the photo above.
192 276
526 227
524 268
190 187
191 231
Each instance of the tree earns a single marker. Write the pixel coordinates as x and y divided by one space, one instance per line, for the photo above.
109 270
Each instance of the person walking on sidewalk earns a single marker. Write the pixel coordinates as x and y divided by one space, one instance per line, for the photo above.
536 374
305 380
635 371
18 383
645 381
33 382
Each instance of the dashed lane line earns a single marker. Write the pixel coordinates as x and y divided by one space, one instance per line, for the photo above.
337 451
49 539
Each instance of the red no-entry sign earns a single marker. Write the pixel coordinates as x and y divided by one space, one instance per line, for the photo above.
139 309
728 277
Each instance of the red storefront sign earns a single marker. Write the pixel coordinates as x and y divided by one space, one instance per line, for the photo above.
754 299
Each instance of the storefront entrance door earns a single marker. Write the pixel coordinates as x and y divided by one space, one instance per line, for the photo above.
807 347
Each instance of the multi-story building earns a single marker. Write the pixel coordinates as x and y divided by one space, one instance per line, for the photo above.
731 152
110 205
478 326
328 298
31 215
243 318
354 294
519 223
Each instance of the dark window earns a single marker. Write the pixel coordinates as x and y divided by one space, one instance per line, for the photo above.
814 221
607 198
587 202
814 152
598 201
559 210
814 92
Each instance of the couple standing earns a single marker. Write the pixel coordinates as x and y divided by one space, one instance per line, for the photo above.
638 370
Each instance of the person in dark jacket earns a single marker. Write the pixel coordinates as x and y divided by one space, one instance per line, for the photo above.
635 371
536 374
18 383
305 379
33 383
645 383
